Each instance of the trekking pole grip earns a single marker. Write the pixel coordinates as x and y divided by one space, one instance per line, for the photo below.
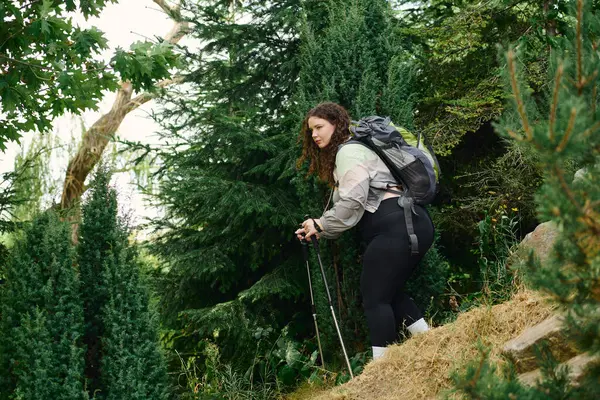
304 248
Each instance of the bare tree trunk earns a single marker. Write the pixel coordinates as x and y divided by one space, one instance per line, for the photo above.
97 137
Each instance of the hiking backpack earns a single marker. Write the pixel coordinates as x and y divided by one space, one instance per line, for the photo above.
411 161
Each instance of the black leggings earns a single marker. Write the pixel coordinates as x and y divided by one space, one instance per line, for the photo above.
387 265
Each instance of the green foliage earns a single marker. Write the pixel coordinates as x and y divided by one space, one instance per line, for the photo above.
99 238
482 378
348 61
123 355
563 130
216 381
145 63
400 95
19 192
231 264
274 371
41 316
51 66
494 281
486 175
56 331
455 44
496 239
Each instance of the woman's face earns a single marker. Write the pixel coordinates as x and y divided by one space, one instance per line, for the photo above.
322 130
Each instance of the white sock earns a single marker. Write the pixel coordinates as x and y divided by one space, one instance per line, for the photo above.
417 327
378 352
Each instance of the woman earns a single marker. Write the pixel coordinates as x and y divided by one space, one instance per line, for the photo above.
361 181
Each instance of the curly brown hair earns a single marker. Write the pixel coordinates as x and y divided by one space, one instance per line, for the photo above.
322 161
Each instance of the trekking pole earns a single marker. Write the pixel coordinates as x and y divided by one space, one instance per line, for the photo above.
315 243
312 299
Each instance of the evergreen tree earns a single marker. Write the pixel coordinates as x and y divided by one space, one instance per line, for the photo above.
123 360
234 269
13 197
41 317
564 129
348 61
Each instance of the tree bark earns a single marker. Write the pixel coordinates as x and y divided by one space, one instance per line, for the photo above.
97 137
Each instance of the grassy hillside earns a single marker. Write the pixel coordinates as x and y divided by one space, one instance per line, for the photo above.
420 368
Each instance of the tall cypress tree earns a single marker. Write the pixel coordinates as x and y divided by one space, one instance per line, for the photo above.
41 316
123 360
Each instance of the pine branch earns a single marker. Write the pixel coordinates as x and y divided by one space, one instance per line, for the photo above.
590 217
517 94
563 183
514 135
591 130
557 79
568 132
473 382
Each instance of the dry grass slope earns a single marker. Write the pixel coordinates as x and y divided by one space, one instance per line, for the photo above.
420 367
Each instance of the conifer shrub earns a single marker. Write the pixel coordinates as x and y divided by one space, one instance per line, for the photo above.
41 316
563 133
124 359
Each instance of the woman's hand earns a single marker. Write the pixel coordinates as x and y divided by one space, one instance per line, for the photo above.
308 229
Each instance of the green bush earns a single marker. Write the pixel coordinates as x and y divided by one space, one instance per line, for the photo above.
41 316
